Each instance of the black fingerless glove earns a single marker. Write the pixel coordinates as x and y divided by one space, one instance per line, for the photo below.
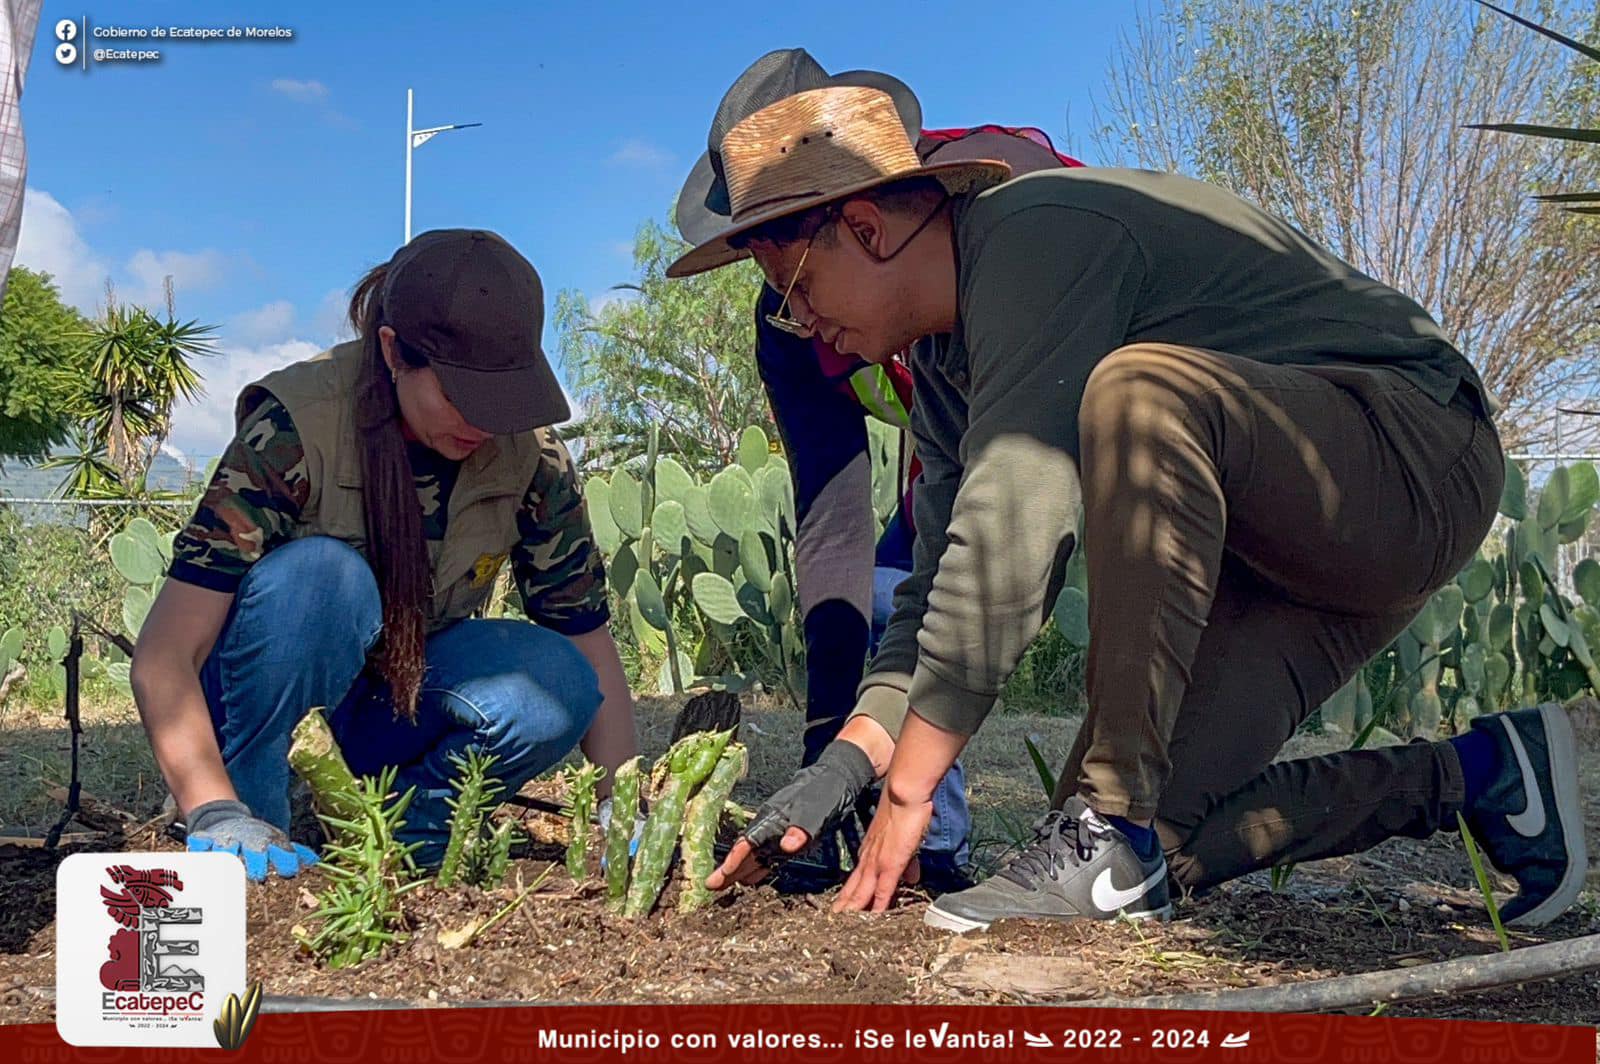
816 800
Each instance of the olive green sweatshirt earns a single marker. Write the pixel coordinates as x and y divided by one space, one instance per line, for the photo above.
1056 270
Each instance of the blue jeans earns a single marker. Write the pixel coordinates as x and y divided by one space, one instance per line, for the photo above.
297 636
949 831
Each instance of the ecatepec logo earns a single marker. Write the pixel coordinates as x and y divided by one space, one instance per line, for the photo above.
149 947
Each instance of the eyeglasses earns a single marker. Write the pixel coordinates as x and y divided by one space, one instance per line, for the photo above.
795 328
779 321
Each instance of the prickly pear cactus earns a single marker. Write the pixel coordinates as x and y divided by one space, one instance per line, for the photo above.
141 555
704 567
1505 633
10 652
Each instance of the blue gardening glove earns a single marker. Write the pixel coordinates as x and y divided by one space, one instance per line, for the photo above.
227 825
603 815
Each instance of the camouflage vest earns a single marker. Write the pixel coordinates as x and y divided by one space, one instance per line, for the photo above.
481 526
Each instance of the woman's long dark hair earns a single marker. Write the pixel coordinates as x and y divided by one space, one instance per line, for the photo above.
395 543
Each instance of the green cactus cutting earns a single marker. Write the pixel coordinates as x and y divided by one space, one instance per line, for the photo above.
683 767
700 823
477 794
368 870
500 842
581 780
315 756
619 833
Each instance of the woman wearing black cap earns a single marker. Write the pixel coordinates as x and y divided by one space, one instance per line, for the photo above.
354 525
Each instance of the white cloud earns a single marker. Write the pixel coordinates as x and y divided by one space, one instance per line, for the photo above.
189 270
640 153
50 241
204 428
270 324
330 322
301 91
253 343
96 210
314 94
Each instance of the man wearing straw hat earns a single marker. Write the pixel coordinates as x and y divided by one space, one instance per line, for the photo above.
1276 458
821 400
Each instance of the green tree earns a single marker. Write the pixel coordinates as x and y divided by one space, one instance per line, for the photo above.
41 345
136 366
1347 118
679 355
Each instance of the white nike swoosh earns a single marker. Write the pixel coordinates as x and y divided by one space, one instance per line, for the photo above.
1109 899
1530 822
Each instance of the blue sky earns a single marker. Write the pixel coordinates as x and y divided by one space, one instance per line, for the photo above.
266 176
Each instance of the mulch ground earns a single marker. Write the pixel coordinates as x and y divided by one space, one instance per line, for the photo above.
1404 903
1392 907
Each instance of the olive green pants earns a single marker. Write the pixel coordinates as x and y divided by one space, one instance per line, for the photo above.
1254 535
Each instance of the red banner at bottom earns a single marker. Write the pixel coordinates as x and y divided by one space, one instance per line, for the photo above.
824 1033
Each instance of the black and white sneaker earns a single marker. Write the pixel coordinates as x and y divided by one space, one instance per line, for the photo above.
1528 819
1078 867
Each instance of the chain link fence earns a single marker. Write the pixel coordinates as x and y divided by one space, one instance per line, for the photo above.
77 512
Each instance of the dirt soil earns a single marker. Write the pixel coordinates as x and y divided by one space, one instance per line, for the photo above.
1404 903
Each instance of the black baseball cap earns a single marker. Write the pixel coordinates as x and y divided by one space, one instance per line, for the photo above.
474 306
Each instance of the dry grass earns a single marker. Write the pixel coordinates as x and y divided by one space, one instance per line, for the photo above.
116 764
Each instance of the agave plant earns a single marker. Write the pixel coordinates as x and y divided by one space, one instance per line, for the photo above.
1576 202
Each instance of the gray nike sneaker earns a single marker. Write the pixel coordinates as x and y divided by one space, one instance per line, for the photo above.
1078 867
1529 819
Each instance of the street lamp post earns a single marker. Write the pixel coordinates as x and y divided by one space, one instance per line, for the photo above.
415 138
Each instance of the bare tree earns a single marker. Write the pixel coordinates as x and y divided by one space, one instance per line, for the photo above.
1346 118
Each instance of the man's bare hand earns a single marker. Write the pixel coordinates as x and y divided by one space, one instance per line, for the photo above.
888 855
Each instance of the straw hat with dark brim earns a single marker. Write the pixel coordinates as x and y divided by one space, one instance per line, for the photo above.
814 148
702 207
